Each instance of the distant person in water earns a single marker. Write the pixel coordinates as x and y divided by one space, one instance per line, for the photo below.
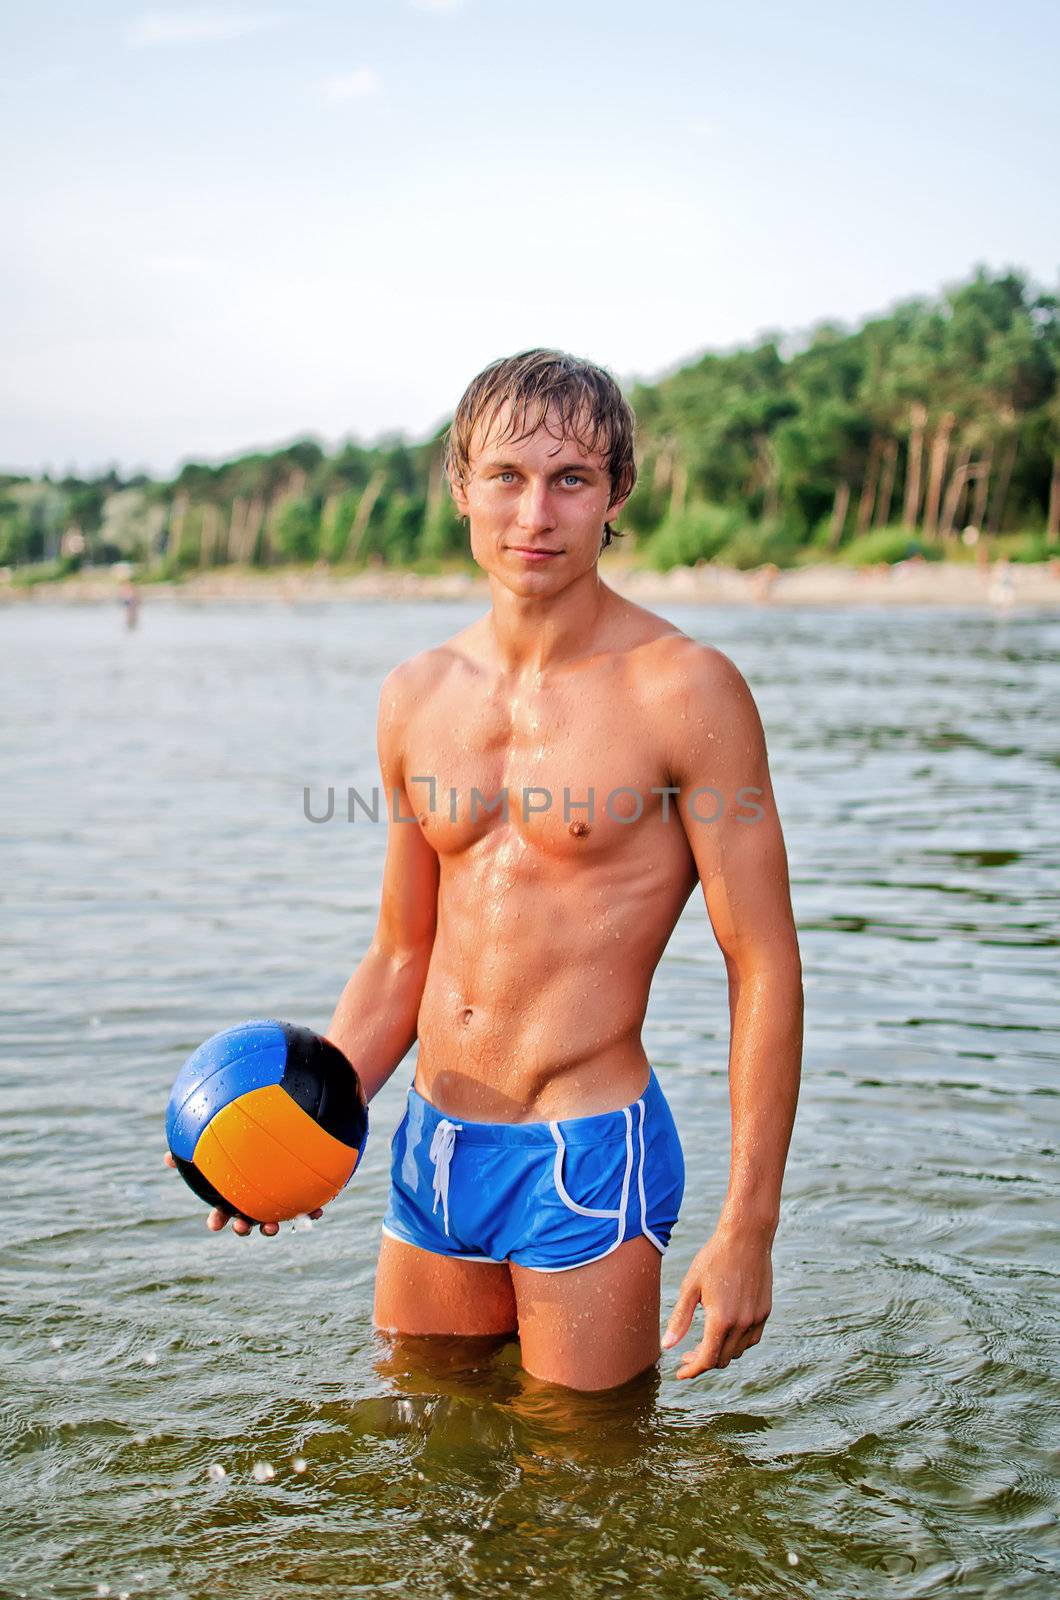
563 773
130 600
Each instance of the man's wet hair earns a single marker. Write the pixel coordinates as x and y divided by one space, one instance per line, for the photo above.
574 398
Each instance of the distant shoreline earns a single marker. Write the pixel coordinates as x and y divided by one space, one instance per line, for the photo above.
1000 587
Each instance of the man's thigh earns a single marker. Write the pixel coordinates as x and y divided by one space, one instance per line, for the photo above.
594 1326
417 1291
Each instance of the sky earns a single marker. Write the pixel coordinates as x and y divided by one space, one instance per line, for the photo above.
228 226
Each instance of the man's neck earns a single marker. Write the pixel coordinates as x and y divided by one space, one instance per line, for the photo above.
530 635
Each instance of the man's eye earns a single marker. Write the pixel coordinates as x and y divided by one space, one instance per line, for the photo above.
572 477
503 476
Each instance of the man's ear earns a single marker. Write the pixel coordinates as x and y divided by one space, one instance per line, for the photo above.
616 506
459 495
621 491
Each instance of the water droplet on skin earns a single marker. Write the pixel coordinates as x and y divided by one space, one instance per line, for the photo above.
216 1473
299 1464
263 1471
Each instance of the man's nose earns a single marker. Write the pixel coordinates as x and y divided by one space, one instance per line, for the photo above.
535 508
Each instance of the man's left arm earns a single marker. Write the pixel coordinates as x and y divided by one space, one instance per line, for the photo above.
717 757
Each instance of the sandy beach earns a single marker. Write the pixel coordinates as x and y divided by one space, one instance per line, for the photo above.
999 587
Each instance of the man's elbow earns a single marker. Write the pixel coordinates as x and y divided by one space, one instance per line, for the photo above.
778 962
402 961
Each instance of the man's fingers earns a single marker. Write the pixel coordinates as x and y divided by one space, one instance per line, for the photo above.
703 1357
681 1316
720 1344
168 1159
751 1337
741 1336
219 1219
708 1352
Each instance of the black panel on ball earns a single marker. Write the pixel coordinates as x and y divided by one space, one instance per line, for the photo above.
319 1078
206 1191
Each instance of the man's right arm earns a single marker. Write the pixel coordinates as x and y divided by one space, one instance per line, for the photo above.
374 1024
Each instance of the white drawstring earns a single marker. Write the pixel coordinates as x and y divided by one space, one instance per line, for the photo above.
442 1147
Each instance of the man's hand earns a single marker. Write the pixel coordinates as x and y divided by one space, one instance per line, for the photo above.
218 1218
733 1278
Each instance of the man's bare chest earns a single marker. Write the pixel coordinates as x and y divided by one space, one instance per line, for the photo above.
553 768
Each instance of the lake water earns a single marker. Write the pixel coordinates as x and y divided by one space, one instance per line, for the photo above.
895 1432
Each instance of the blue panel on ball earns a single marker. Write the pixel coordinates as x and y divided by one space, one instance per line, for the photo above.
229 1064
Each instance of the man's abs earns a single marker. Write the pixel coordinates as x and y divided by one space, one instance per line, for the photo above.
538 984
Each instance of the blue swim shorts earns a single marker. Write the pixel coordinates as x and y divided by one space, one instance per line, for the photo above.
547 1195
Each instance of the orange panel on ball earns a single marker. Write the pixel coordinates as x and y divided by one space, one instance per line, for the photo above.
269 1158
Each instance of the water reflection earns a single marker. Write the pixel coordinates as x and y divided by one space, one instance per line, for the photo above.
611 1486
475 1391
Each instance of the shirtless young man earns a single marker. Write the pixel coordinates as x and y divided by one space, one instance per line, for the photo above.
537 1174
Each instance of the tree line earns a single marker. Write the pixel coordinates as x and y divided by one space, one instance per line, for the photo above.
899 436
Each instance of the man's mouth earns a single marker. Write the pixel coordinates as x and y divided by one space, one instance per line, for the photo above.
534 552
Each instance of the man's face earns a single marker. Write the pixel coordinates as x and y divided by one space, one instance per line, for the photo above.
537 507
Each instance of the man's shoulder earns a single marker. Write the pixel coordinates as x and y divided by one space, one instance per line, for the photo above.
703 709
673 666
423 674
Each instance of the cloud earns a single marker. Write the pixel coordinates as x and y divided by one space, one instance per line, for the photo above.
352 85
197 27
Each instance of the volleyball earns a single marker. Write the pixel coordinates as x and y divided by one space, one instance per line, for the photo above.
267 1120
